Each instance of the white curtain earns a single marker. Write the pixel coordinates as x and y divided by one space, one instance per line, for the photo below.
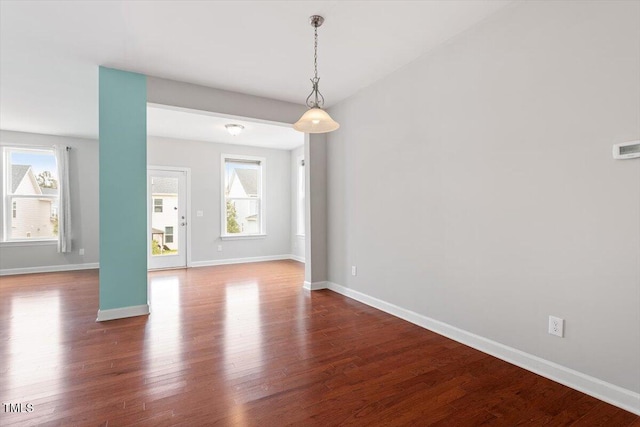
64 210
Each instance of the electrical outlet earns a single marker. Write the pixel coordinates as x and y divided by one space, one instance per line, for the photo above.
199 213
219 248
556 326
354 270
81 251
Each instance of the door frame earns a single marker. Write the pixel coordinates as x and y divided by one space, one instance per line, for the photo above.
187 202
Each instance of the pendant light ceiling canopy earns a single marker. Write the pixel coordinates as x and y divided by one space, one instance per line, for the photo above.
315 120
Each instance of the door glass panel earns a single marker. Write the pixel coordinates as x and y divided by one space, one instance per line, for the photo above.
165 217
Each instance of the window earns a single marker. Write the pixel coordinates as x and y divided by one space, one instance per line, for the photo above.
31 192
168 234
157 205
243 191
301 196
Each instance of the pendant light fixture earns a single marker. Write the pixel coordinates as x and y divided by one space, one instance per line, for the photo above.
315 120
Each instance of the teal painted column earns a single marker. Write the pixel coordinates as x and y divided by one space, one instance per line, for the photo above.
123 194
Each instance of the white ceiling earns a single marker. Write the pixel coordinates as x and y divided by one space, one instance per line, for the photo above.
201 126
50 50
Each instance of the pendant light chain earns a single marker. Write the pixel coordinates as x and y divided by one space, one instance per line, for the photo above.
318 99
315 53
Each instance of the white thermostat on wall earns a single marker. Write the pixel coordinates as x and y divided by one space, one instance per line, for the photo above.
626 150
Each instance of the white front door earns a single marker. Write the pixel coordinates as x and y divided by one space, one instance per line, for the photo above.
167 195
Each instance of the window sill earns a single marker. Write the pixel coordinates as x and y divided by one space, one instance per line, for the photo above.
243 237
12 243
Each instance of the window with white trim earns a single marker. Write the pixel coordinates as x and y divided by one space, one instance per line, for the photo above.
31 195
242 196
301 197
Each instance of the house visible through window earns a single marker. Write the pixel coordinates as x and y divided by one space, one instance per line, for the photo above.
157 205
243 189
168 234
31 193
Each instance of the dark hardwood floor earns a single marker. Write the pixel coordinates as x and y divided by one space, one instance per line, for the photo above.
246 345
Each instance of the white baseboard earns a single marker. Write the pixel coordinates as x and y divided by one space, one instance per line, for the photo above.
610 393
242 260
314 286
49 268
92 265
297 258
121 313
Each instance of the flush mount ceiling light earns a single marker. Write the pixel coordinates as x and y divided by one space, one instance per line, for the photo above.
315 120
234 129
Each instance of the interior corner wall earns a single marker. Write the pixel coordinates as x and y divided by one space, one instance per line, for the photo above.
476 185
123 189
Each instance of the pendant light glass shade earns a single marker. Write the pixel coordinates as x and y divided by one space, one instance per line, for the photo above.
316 120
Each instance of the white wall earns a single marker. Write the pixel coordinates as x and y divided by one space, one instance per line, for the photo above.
204 160
498 145
297 241
83 174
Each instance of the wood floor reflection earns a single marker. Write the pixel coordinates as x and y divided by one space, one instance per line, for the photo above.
246 345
